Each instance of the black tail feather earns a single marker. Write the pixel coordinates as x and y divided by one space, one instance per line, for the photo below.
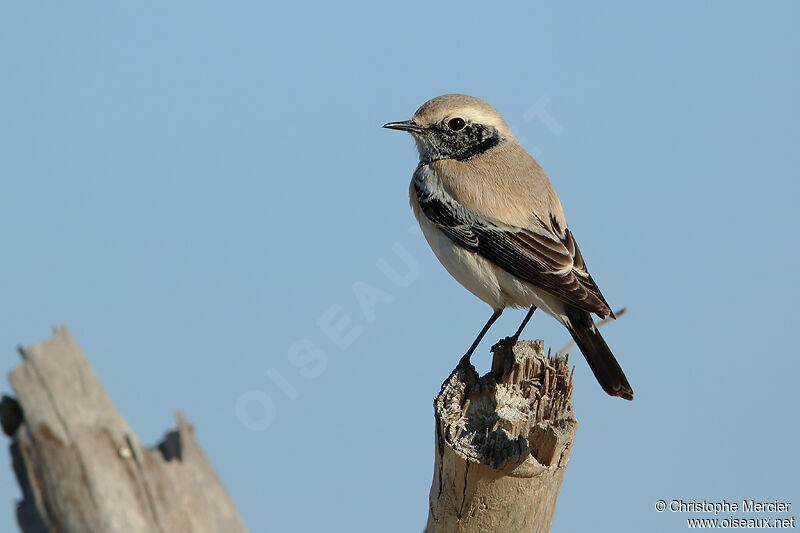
597 353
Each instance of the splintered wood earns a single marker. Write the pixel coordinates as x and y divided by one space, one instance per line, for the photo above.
502 443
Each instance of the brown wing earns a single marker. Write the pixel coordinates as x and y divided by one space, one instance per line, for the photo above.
546 257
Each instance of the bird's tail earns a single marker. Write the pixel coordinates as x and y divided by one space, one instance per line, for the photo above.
597 353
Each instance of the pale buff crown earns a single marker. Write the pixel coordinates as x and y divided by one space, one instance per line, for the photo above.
471 109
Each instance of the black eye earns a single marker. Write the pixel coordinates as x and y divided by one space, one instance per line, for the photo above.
456 124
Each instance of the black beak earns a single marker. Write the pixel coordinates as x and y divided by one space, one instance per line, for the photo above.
407 125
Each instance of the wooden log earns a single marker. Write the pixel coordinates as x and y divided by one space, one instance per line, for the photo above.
502 443
82 469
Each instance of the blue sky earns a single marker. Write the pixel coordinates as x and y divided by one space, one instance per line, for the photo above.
202 193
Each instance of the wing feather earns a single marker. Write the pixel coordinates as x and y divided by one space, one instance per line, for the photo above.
546 256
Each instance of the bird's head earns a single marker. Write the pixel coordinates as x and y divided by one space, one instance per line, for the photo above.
455 126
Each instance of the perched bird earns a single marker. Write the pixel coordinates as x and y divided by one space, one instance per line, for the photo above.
492 218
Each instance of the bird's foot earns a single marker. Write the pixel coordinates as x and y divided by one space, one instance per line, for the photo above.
468 376
464 363
503 359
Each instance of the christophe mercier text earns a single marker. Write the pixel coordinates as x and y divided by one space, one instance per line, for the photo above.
747 506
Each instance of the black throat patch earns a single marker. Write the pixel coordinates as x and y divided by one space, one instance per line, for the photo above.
471 141
479 148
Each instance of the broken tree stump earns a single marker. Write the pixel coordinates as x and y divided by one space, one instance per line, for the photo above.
502 445
81 468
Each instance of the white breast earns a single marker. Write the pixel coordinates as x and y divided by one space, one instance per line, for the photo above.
481 277
475 273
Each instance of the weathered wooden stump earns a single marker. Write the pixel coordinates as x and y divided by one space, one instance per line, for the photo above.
81 468
502 443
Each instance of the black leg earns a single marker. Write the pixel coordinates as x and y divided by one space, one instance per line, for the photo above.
465 360
515 338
